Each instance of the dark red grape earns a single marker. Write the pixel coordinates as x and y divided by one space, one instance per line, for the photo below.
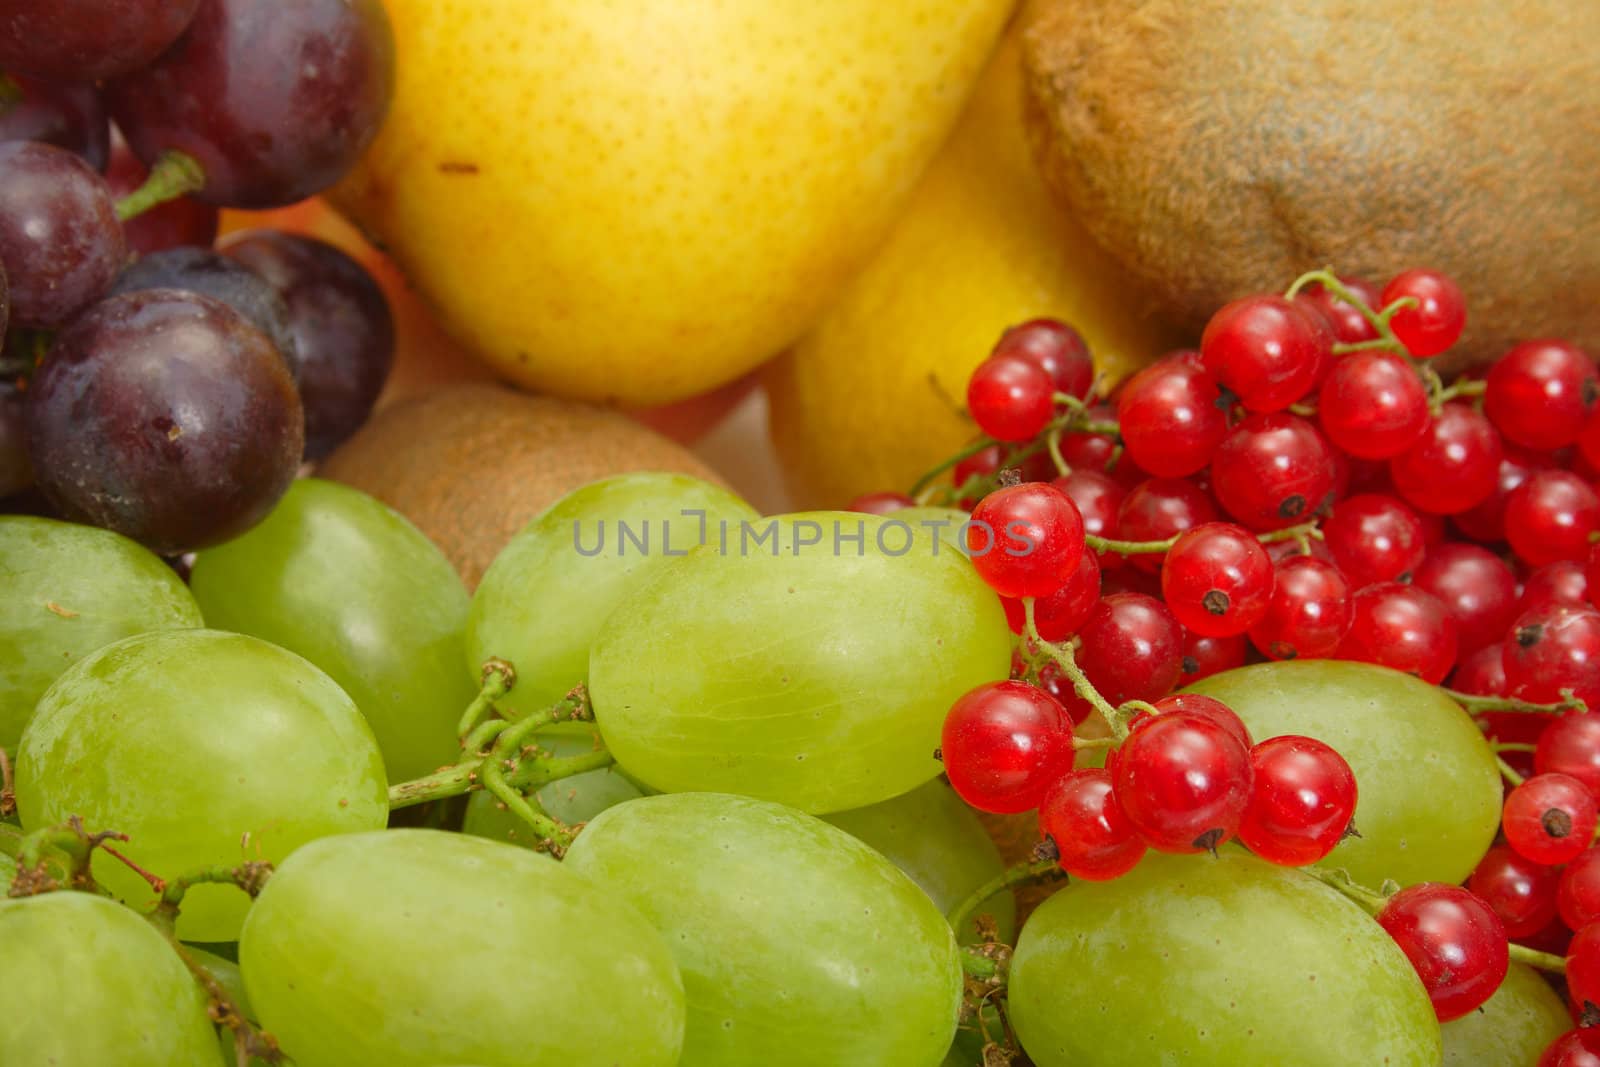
165 416
67 116
87 40
171 224
274 101
15 472
200 270
59 235
341 326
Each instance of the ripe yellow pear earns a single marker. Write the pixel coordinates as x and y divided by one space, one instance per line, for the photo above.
635 201
876 393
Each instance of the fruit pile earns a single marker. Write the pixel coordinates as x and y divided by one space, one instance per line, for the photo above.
153 385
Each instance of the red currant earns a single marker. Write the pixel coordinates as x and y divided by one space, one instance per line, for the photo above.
1158 508
1549 818
986 462
1026 540
1521 893
1095 840
1308 612
1583 967
1436 320
1302 801
1004 744
1453 465
1207 708
1570 745
1578 890
1349 325
1268 350
1183 780
1217 579
1453 940
1100 453
1552 648
1272 471
1483 673
1476 586
1172 416
1058 616
1372 405
1550 516
880 503
1055 348
1402 627
1098 496
1374 538
1205 656
1132 648
1010 399
1485 521
1561 582
1540 393
1589 441
1575 1048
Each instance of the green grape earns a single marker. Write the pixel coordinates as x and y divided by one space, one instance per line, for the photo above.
8 871
815 676
1429 793
1214 962
90 984
935 838
66 590
546 594
946 523
205 748
346 582
409 948
226 973
570 800
1512 1027
798 944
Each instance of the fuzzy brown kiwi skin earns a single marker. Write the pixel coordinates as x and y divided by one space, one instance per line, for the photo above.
1218 149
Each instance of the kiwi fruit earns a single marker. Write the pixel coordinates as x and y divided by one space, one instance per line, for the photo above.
471 464
1217 150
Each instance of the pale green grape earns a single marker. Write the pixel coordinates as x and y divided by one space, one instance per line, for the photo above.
409 948
90 984
945 523
349 584
817 676
1512 1027
544 597
66 590
8 871
798 944
205 748
935 838
571 800
1429 794
1215 962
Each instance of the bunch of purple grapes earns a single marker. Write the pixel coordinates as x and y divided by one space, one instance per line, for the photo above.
151 383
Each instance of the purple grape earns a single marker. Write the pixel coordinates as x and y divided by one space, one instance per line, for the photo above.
15 472
341 324
67 116
165 416
172 224
200 270
59 235
87 40
275 101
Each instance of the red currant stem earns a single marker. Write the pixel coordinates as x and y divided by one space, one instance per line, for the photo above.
1299 533
1478 704
1544 961
498 679
1103 426
1514 746
1341 348
968 452
1081 743
1508 772
1305 411
1052 442
1029 870
1070 402
1338 878
174 174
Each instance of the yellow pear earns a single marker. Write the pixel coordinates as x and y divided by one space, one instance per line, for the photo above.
634 201
876 393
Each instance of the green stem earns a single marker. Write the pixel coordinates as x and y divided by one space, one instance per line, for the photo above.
175 174
1341 348
532 774
1463 387
1544 961
8 790
252 1044
1514 746
1507 772
1372 902
248 877
1053 443
1018 874
1477 705
498 679
977 965
554 837
1297 532
966 453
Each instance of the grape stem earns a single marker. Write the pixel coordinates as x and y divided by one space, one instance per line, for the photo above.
251 1044
498 679
8 790
174 174
250 877
69 841
1030 870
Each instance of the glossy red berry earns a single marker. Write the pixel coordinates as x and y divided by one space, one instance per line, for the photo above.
1308 612
1004 744
1550 516
1374 538
1025 540
1172 416
1575 1048
1010 399
1554 648
1436 320
1401 627
1055 348
1372 405
1583 967
1520 892
880 503
1483 673
1159 508
1217 579
1273 470
1301 803
1059 615
1476 586
1132 648
1540 393
1561 582
1183 781
1578 890
1101 453
1570 745
1348 324
1485 521
1207 708
1549 818
1098 496
1453 465
1267 350
1094 839
1454 941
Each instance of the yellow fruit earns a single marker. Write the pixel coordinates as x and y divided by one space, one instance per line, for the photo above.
634 201
877 392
